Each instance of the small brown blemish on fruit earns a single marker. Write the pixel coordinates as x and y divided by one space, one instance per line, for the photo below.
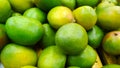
115 34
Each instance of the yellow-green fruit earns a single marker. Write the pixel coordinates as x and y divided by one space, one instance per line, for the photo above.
69 3
92 3
16 56
35 13
111 44
16 14
85 59
47 5
24 30
59 16
85 16
51 57
71 38
28 66
111 66
108 16
48 38
73 67
95 36
21 5
5 10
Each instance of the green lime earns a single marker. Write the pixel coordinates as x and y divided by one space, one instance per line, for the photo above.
69 3
51 57
73 67
95 36
5 10
16 14
111 66
85 59
47 5
85 16
59 16
92 3
36 14
21 5
48 38
71 38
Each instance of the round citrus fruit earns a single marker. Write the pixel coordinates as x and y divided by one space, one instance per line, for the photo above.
28 66
69 3
59 16
111 66
71 38
36 14
85 16
16 56
108 17
21 5
48 38
92 3
73 67
47 5
24 30
85 59
16 14
52 57
111 43
95 36
5 10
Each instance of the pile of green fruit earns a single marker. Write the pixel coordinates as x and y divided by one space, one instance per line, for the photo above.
58 33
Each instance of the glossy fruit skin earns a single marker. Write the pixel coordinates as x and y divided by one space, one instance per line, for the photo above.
69 3
108 16
48 5
59 16
36 13
95 36
85 59
92 3
85 16
21 5
23 30
111 66
73 67
71 38
111 42
12 56
16 14
5 10
28 66
48 38
52 57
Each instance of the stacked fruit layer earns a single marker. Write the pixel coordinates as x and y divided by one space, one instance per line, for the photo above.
60 33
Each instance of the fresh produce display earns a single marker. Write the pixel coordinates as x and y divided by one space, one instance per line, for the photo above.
59 33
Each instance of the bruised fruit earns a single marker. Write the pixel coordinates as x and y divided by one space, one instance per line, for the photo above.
111 43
